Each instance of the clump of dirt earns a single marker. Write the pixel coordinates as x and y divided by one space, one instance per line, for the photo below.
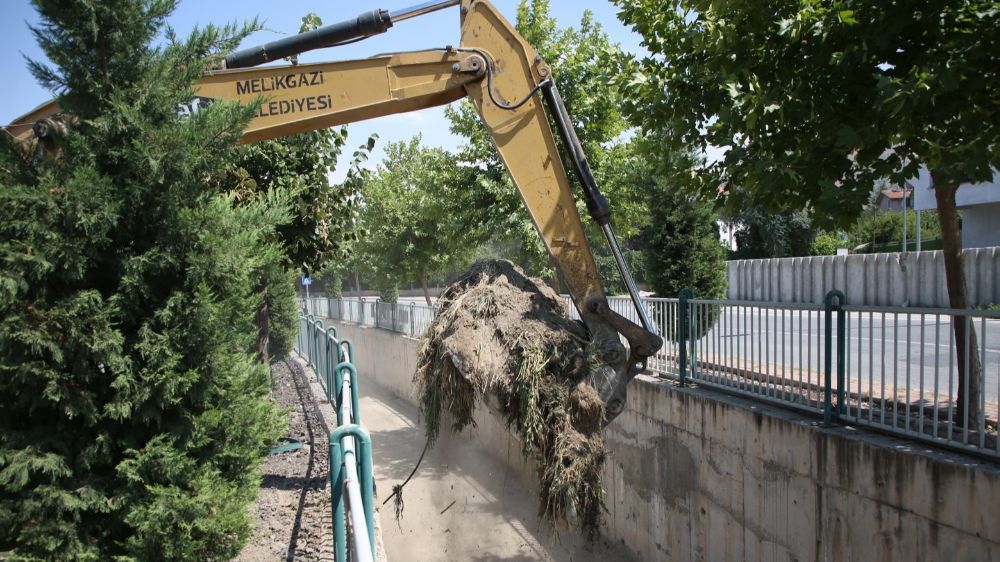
500 333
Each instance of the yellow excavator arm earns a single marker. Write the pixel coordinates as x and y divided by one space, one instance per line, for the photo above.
507 82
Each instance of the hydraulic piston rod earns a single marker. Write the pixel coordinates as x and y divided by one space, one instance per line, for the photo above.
421 9
597 204
365 25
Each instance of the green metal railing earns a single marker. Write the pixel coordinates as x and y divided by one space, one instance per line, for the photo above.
895 369
351 472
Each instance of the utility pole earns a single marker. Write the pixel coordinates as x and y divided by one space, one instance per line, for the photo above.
905 198
918 230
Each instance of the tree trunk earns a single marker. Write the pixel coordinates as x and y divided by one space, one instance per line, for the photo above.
263 326
423 285
357 283
970 390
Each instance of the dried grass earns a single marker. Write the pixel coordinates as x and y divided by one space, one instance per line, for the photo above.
502 334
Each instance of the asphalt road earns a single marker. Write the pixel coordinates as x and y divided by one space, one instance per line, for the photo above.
894 352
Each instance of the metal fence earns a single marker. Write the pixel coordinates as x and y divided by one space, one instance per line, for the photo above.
894 369
351 471
410 318
905 369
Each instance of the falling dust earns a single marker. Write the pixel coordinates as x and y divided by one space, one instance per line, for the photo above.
502 335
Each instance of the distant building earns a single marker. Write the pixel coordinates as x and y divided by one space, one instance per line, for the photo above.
894 197
979 203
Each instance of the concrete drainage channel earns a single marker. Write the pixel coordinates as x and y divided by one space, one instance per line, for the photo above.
464 503
692 475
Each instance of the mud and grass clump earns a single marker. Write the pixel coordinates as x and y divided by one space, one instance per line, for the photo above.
500 335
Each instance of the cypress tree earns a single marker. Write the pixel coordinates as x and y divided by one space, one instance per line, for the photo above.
134 418
683 251
682 243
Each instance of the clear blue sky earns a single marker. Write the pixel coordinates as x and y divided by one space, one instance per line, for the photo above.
280 18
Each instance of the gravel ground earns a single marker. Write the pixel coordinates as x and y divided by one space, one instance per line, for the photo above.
292 513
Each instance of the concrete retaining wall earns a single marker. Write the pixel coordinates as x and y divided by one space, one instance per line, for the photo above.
894 279
695 475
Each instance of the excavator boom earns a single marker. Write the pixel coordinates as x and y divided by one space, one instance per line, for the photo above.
507 82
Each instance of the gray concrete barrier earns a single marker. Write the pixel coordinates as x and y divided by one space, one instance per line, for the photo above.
893 279
696 475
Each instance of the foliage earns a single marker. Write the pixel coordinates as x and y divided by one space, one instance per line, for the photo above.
760 234
875 227
133 418
408 216
323 214
389 294
330 281
826 244
682 247
283 316
584 61
814 102
608 268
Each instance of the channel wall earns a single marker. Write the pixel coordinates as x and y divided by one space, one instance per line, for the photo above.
697 475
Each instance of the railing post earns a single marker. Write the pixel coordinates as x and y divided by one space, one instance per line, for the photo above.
317 326
367 476
413 320
829 416
363 444
310 328
298 334
337 499
683 325
350 351
333 358
305 339
339 385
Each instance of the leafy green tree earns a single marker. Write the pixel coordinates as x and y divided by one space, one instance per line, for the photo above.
827 244
584 63
876 228
814 102
324 215
134 418
411 228
323 219
682 246
760 234
330 280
